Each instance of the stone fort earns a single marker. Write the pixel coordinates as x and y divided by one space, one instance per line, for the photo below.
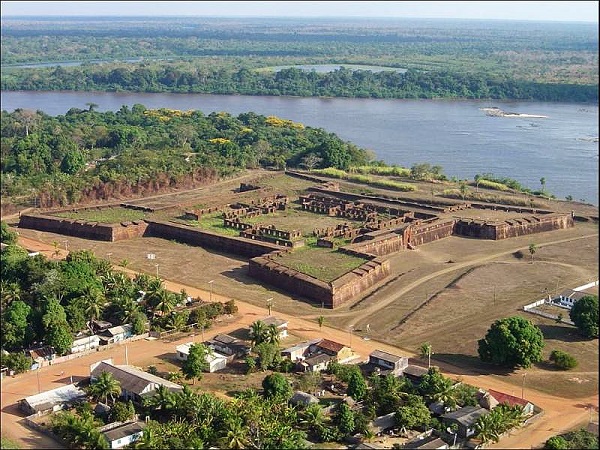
377 227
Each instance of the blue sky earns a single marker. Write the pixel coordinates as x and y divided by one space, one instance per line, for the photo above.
574 11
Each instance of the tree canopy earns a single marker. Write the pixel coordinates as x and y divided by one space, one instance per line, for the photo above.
584 315
512 342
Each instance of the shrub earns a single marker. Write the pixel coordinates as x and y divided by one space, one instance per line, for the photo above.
563 360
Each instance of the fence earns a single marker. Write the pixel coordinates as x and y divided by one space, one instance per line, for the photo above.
62 359
532 308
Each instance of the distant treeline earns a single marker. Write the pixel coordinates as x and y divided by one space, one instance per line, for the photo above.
342 82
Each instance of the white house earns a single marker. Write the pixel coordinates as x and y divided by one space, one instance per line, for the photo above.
85 343
280 324
135 383
116 334
53 400
388 361
568 298
123 433
216 361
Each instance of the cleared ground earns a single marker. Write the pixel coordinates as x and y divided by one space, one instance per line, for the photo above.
447 292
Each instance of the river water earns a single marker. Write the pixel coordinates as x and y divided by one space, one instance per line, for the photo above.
455 134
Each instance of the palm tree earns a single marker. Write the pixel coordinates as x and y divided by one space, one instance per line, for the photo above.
236 434
257 332
94 301
272 335
425 350
532 250
164 303
313 415
486 428
149 439
10 291
163 401
321 321
105 386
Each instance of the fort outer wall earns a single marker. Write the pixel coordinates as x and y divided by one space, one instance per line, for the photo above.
194 236
354 283
268 270
329 295
84 229
513 227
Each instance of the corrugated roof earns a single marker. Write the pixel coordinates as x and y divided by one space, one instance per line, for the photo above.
132 379
58 396
467 415
385 356
124 430
501 397
326 344
272 320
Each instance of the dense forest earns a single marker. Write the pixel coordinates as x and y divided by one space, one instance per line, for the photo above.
85 156
451 59
343 82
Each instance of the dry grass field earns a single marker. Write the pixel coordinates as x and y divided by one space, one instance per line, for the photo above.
447 292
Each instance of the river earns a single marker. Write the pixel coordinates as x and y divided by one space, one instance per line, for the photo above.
562 147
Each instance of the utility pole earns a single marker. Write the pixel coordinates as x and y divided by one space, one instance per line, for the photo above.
270 304
523 386
211 288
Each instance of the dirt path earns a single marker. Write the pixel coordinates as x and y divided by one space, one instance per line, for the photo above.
560 414
382 302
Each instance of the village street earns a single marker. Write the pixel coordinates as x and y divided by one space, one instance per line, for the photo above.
559 415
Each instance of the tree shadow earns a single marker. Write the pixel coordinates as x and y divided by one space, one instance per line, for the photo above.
241 333
565 333
453 363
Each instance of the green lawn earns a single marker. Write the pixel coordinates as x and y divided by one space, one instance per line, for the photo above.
108 215
7 443
322 263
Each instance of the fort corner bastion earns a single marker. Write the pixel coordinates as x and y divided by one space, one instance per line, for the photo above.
377 227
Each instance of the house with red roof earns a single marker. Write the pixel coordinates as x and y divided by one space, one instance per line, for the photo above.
494 398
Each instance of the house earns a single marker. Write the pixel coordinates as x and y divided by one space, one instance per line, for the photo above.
429 442
414 373
40 354
85 343
228 345
340 352
316 363
303 398
382 423
511 400
298 351
388 362
465 418
216 361
53 400
280 324
98 326
123 433
568 298
115 334
135 383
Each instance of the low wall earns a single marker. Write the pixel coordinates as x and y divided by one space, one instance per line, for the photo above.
202 238
83 229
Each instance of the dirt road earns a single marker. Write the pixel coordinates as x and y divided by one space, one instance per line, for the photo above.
559 414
